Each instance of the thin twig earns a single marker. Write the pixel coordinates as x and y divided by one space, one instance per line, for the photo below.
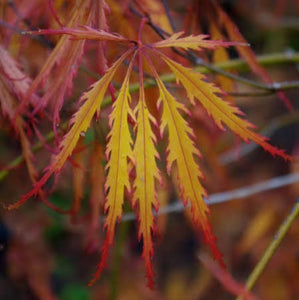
236 64
167 10
272 247
237 78
250 94
241 193
192 57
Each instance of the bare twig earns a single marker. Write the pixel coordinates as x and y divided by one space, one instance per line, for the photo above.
167 10
192 57
241 193
272 247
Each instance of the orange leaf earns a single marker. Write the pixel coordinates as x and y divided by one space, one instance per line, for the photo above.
181 149
222 111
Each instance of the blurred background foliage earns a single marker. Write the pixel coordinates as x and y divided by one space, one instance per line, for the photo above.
48 255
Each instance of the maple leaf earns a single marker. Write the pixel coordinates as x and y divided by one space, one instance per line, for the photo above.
181 149
147 172
194 42
118 151
80 123
221 110
124 153
64 61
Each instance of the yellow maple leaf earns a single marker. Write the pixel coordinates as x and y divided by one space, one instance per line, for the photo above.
182 151
124 155
118 151
147 172
194 42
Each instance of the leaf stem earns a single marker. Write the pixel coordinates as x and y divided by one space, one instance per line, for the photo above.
277 239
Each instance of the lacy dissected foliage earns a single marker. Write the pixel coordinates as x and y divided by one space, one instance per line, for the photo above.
133 168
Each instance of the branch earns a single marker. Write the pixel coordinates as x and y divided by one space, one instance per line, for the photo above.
272 247
192 57
237 194
167 10
235 64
